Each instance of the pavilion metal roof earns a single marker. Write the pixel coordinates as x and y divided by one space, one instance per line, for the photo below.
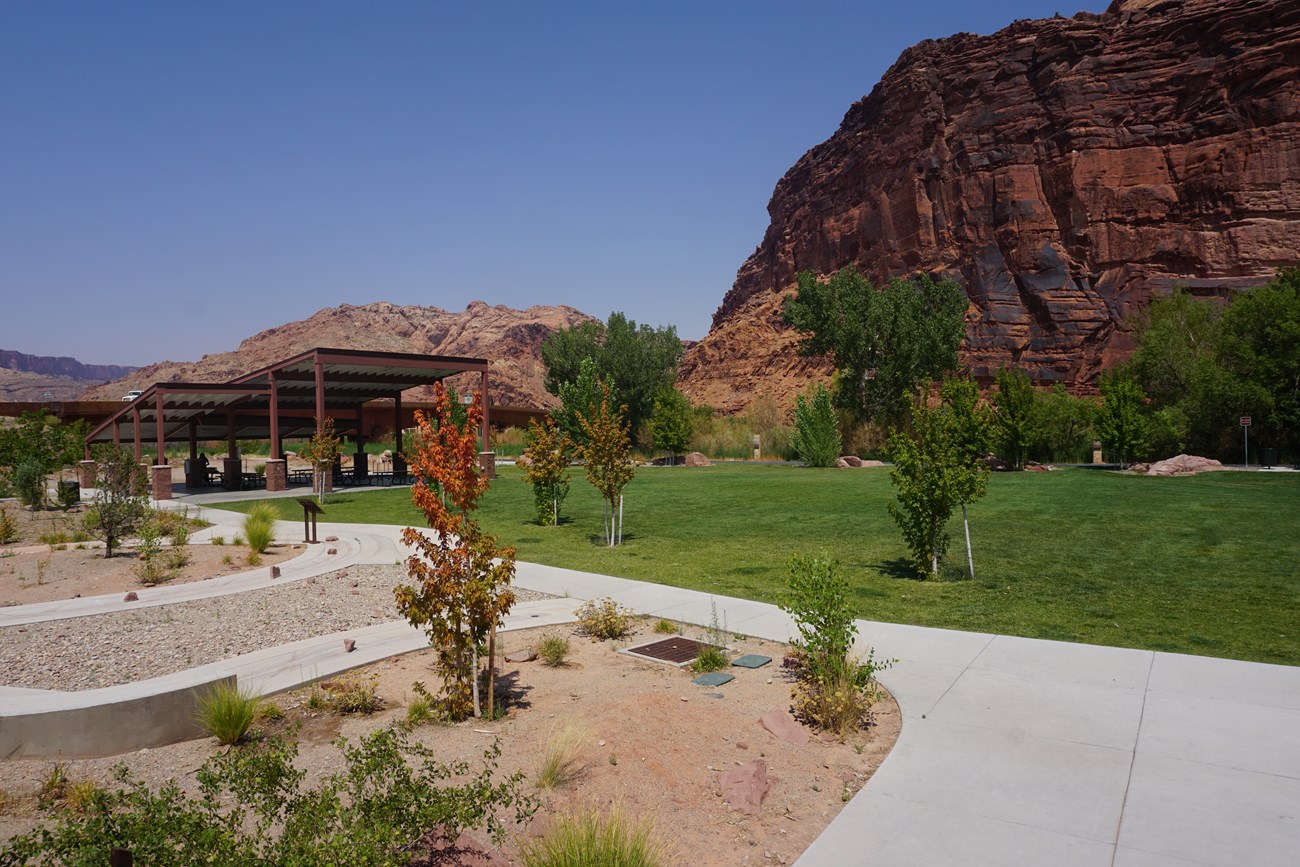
350 379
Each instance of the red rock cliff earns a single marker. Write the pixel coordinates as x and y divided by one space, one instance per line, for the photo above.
1061 170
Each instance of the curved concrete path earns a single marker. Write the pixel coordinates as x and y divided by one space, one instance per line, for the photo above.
1018 751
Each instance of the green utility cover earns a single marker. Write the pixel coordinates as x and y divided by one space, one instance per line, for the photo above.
713 678
752 660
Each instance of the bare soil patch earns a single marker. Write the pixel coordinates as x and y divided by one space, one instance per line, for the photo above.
654 744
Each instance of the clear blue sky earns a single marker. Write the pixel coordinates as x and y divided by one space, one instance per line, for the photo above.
176 176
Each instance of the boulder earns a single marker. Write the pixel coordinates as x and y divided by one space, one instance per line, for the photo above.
527 655
696 459
850 461
1183 465
745 787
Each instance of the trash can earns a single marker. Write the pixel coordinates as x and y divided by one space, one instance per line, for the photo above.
69 492
1268 457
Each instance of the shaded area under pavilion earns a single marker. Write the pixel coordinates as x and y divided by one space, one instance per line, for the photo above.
360 390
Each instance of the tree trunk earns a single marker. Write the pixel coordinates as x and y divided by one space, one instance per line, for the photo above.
492 672
970 557
620 519
478 710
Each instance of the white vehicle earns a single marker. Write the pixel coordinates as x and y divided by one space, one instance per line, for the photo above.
132 395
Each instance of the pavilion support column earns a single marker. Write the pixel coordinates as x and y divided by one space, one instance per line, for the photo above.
399 461
360 460
161 458
232 468
276 454
320 394
487 460
87 473
194 474
135 421
117 434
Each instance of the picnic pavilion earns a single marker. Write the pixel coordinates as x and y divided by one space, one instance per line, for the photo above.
360 390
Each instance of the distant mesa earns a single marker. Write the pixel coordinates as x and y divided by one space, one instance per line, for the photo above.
48 378
1062 170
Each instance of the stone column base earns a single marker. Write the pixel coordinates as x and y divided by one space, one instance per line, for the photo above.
86 473
232 468
161 476
360 466
277 474
487 462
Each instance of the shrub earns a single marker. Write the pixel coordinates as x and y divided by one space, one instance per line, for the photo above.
423 708
259 527
835 697
352 693
562 759
79 797
226 712
218 540
29 483
55 538
253 807
589 839
710 659
553 649
68 494
604 618
666 627
154 567
8 527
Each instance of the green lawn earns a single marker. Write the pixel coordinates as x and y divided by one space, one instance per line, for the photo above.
1204 565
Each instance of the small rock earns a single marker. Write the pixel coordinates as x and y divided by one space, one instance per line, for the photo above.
781 724
527 655
332 551
349 645
745 787
132 597
275 571
741 745
331 538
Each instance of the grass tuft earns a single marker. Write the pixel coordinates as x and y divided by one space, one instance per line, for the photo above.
562 758
591 839
553 649
227 712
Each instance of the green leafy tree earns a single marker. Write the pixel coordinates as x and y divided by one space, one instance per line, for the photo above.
119 506
672 422
38 445
818 601
886 343
1066 424
1261 346
546 468
579 397
932 477
607 454
1121 425
637 362
816 428
971 431
1015 418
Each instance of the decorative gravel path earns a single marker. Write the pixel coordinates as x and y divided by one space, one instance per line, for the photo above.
108 649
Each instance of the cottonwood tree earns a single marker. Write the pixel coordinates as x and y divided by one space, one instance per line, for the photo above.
547 468
579 397
323 450
636 362
672 422
38 445
886 343
119 506
816 436
461 577
607 453
968 425
933 476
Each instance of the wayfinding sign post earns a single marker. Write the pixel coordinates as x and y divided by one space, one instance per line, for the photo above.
1245 438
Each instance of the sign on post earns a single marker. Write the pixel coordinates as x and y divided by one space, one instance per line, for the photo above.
1245 421
309 512
1245 439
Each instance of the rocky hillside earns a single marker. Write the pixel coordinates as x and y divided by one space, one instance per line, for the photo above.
43 377
1061 170
508 338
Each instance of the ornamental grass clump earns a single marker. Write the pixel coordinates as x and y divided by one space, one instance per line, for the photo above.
259 529
553 649
590 838
227 712
562 759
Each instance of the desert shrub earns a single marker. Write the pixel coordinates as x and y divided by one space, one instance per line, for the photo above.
57 537
259 527
253 806
562 758
154 565
553 649
218 540
53 787
227 712
8 527
833 688
180 535
29 484
423 708
352 693
590 839
269 710
666 627
710 658
79 796
68 494
604 618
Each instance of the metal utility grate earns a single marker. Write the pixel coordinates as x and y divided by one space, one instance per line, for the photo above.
676 651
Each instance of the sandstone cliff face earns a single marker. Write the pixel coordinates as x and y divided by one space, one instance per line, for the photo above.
60 366
1061 170
509 339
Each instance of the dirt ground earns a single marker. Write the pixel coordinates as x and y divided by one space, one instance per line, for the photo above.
34 572
654 744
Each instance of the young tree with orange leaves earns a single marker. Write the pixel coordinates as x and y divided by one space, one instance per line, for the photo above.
608 456
460 591
547 469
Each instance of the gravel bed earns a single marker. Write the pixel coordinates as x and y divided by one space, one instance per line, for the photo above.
108 649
